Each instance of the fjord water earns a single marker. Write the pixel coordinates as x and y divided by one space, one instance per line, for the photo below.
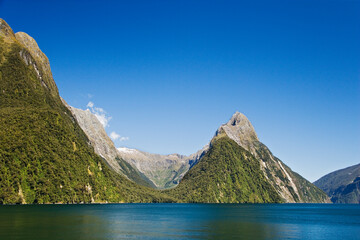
180 221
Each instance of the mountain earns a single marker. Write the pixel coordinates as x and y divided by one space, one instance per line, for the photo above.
165 171
226 174
51 152
152 170
44 154
105 147
342 186
239 168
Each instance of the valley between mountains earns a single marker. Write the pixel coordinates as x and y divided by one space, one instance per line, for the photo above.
51 152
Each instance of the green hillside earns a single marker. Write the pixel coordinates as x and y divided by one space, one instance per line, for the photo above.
297 188
226 174
44 155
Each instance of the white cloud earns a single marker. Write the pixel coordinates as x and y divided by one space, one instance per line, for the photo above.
100 114
114 136
90 105
124 138
104 119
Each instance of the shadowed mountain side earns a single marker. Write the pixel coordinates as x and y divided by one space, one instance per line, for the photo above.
342 186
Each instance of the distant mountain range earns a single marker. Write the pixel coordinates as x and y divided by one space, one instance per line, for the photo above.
51 152
342 186
264 179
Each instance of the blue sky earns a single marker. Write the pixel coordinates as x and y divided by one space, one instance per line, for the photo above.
168 73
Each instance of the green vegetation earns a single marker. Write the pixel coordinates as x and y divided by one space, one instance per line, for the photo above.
306 191
226 174
134 174
44 155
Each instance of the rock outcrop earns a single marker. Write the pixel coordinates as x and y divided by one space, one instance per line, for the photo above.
239 129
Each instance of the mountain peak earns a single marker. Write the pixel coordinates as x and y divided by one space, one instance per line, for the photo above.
238 119
41 64
5 30
30 43
239 129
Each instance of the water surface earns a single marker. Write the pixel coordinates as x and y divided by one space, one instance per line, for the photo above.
180 221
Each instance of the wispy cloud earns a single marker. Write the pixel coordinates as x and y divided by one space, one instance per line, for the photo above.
100 114
90 105
114 136
124 138
104 119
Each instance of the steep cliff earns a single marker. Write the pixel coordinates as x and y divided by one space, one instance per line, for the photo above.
105 147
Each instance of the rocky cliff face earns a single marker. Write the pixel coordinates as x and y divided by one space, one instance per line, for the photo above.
239 129
342 186
97 135
105 147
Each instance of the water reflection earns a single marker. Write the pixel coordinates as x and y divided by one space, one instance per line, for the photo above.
180 221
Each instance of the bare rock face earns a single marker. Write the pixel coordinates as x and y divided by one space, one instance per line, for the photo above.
97 135
239 129
104 146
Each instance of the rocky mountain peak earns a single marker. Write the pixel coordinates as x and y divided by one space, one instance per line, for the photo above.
239 120
239 129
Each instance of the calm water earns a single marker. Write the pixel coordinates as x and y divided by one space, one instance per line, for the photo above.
181 221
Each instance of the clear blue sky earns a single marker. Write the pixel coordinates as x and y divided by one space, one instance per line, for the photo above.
168 73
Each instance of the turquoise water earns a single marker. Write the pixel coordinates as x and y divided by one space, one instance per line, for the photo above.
181 221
